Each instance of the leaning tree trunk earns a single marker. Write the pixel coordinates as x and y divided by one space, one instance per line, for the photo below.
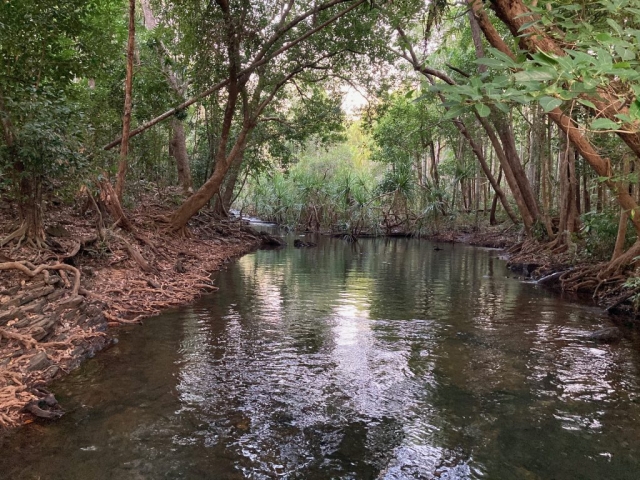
126 117
223 203
178 150
195 202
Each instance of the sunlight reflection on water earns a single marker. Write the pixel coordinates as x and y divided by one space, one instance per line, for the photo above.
382 360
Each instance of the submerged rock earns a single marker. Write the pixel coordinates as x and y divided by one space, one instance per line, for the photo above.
606 335
300 244
272 240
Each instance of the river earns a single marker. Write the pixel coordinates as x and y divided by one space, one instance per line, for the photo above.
382 359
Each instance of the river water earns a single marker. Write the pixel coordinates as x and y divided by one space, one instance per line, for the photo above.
385 359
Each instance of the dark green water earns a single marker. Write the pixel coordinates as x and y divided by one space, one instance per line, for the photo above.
388 360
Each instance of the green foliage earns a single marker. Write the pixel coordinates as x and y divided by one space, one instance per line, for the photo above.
49 140
47 48
603 37
599 231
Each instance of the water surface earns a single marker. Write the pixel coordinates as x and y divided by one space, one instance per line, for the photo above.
386 359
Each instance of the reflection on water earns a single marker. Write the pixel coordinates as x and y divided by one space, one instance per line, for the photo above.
382 360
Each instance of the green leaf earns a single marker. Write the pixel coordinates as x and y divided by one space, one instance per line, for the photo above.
587 103
624 117
545 58
604 124
603 37
506 59
534 75
491 62
634 110
615 26
549 103
528 24
502 107
483 110
454 112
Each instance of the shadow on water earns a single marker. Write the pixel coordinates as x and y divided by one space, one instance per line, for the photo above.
388 359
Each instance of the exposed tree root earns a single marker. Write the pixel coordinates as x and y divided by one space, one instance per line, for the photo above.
19 234
29 269
53 328
26 340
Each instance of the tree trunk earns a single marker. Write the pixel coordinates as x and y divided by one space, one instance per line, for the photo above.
178 150
586 197
485 168
477 150
195 202
31 208
608 103
126 117
623 221
223 203
567 224
505 132
494 203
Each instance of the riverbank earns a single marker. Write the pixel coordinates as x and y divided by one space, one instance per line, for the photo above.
565 271
61 305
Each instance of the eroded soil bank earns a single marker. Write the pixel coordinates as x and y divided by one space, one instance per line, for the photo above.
59 306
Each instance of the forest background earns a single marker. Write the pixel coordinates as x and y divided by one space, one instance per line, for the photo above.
520 115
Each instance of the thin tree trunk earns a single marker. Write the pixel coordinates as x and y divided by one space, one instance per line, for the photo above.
618 250
505 132
586 197
494 203
126 117
477 150
226 197
567 192
30 206
485 168
178 150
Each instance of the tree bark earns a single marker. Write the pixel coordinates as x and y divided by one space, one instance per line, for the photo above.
494 203
178 150
505 132
195 202
568 213
126 117
477 150
230 183
178 141
31 208
622 223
